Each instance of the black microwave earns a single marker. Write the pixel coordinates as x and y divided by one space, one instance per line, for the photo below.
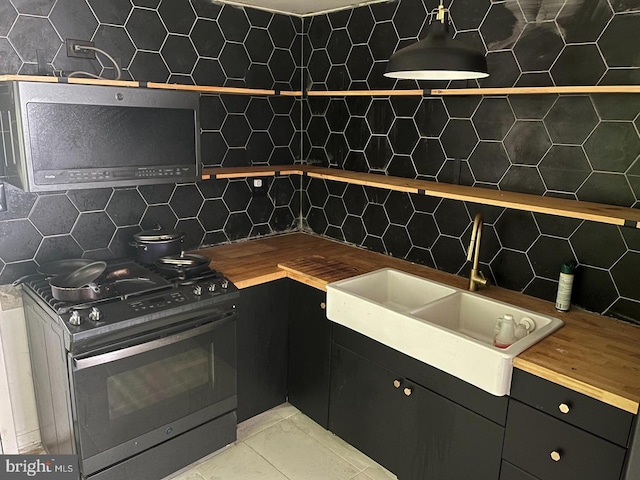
67 136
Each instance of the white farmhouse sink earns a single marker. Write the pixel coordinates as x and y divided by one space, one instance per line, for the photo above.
448 328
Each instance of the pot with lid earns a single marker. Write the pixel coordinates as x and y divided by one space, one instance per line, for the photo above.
153 244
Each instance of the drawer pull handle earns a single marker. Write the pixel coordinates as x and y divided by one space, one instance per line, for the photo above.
396 383
323 305
407 391
564 408
555 456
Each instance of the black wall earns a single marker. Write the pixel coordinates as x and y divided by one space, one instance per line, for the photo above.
583 147
176 41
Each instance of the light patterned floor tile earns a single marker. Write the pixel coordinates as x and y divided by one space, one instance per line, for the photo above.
285 410
378 472
361 476
333 443
187 475
298 455
258 423
238 463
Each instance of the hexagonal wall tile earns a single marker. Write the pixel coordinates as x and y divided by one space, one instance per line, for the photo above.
538 46
594 290
527 142
571 119
523 179
608 188
493 118
613 146
512 270
598 244
207 38
517 229
126 207
31 34
146 29
53 214
614 42
179 54
233 23
213 214
7 16
489 162
177 15
93 230
583 22
564 168
20 240
578 64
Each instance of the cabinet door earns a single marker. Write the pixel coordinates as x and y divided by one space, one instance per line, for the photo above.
451 442
309 352
263 319
367 411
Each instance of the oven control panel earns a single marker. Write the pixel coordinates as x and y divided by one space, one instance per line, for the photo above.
170 299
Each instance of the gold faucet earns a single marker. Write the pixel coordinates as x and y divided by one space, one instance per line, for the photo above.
476 277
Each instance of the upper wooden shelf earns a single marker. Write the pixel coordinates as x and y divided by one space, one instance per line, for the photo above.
334 93
596 212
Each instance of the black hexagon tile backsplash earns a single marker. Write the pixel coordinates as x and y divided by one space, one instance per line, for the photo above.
585 147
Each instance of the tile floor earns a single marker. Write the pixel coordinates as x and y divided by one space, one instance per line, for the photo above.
282 444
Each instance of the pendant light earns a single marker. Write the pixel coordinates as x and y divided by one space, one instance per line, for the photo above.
438 56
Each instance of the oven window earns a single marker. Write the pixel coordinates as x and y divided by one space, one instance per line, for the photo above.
161 380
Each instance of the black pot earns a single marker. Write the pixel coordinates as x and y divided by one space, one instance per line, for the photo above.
153 244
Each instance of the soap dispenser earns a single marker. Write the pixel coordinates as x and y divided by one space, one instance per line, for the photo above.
505 332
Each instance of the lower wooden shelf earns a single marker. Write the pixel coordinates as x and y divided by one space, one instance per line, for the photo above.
595 212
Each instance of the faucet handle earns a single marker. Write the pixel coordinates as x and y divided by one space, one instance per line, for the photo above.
481 279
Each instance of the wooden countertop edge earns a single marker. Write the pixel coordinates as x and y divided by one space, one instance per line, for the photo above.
303 278
259 280
578 386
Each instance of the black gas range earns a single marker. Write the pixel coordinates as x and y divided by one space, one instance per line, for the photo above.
141 382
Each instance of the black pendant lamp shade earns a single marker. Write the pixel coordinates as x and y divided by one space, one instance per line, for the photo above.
438 56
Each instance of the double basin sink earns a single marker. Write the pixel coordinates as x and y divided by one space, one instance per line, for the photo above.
446 327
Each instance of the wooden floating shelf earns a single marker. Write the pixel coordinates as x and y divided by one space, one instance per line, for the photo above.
595 212
568 90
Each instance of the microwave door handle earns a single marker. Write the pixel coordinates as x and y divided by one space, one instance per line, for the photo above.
103 358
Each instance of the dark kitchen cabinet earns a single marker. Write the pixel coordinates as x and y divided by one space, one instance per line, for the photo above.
262 329
405 426
309 352
554 433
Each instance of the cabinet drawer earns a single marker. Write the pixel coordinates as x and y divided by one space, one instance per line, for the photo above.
572 407
533 438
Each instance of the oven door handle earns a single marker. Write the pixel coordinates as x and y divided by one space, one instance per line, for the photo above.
101 359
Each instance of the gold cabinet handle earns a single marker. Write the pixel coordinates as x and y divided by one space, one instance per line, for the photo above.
564 408
396 383
323 305
407 391
555 456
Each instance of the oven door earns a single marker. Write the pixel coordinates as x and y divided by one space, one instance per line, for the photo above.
130 398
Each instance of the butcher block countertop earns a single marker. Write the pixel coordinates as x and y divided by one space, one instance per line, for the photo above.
592 354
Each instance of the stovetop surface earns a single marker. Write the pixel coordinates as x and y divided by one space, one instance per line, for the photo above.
154 297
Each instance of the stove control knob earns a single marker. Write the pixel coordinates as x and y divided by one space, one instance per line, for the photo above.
212 287
75 318
95 314
197 290
225 284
